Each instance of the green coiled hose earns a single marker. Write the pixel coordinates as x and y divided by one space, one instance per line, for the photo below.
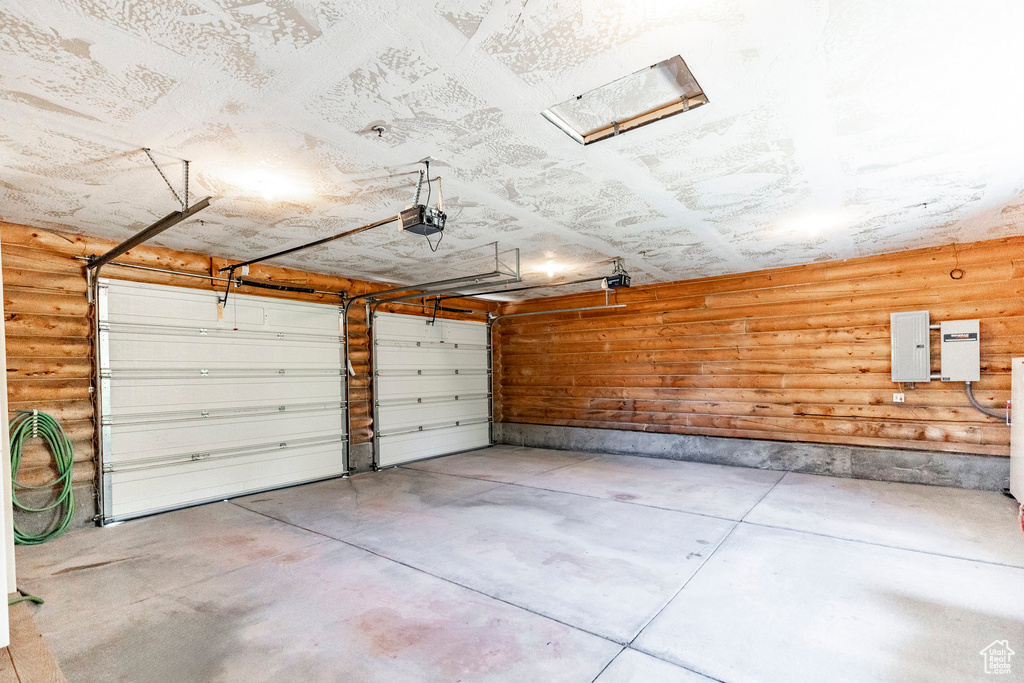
30 425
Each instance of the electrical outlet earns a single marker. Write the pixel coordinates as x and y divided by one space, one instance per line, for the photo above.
899 398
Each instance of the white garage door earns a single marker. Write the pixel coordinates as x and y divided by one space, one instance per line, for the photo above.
431 387
197 409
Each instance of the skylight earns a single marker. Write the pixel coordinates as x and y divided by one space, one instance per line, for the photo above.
652 94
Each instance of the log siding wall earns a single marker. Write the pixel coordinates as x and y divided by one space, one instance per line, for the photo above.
48 323
797 353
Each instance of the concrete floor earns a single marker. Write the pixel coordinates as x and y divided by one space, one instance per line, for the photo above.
520 564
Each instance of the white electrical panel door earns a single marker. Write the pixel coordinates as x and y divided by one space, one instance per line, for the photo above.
431 387
196 409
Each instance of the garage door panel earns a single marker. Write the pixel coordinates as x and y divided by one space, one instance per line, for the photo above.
194 409
152 307
291 320
247 313
459 333
220 476
194 352
415 328
149 395
453 357
417 386
431 387
389 326
402 448
431 413
142 439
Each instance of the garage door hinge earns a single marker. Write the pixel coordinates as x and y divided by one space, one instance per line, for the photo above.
204 373
205 413
200 456
203 331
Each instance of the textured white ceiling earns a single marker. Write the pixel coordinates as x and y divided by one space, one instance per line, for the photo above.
834 129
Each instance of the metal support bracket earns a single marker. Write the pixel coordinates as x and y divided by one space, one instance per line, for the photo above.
168 221
223 301
433 317
183 197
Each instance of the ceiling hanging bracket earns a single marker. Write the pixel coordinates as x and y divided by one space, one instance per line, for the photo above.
419 187
183 198
184 184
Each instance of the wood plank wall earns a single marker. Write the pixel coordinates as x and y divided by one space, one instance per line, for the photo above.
797 354
49 328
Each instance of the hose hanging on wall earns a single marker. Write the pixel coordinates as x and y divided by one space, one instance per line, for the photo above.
30 425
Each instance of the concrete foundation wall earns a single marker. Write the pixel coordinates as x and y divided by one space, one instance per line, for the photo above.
985 472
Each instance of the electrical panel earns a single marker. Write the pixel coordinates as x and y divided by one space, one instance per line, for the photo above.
911 351
961 351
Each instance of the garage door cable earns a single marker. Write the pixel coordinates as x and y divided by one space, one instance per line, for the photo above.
29 425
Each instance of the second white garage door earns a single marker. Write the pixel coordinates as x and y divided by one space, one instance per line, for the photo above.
431 387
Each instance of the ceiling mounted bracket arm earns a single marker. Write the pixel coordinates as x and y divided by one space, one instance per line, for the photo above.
168 221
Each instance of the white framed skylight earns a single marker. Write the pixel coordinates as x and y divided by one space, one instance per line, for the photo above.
652 94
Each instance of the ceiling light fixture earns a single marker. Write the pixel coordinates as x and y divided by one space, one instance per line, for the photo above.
652 94
267 183
815 223
551 268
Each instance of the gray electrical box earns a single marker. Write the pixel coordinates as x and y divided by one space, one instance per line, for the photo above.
911 351
961 351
